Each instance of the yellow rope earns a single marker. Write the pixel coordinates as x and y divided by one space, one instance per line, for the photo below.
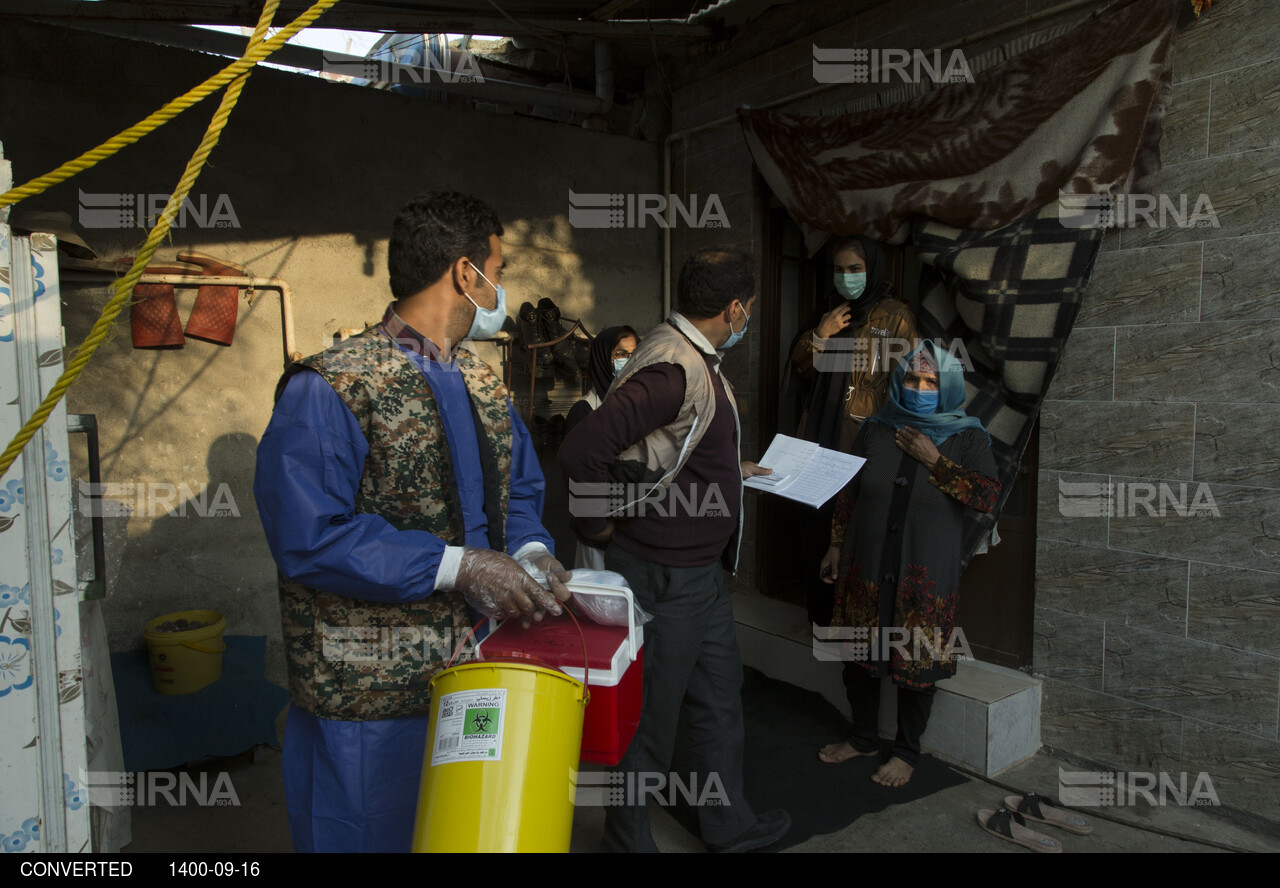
124 286
169 111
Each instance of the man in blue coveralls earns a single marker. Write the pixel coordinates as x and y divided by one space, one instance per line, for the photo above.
401 495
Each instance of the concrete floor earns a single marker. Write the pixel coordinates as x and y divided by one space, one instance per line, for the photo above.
944 821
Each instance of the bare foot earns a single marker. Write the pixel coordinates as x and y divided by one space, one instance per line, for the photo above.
894 772
835 753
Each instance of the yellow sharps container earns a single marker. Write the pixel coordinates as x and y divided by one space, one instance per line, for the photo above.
502 752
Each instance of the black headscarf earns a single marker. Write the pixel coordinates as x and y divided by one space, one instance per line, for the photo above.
825 395
600 363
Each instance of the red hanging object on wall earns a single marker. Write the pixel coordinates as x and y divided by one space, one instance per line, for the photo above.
213 318
153 312
153 316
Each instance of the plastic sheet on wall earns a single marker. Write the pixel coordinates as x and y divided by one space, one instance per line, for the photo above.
44 796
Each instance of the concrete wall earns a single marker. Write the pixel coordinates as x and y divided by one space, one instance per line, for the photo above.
1157 634
315 172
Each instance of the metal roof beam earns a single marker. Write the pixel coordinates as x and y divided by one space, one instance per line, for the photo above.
488 90
610 9
354 16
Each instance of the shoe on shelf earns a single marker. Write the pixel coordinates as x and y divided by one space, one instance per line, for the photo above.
527 322
531 333
548 320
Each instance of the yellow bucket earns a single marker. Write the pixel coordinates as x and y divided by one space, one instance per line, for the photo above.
183 662
502 752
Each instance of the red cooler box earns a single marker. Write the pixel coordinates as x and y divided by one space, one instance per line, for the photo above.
614 654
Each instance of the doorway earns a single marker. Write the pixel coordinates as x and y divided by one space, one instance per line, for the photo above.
997 592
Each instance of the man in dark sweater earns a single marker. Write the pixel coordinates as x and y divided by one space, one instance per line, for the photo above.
669 427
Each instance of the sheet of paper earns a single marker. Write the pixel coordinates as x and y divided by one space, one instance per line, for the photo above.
787 457
805 472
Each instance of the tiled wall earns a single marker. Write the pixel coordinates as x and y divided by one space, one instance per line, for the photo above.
1159 635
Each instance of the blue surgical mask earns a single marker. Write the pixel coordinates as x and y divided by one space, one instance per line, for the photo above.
487 321
735 336
618 364
919 402
851 286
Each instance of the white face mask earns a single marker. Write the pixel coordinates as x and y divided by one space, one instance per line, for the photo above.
850 286
618 364
735 336
487 321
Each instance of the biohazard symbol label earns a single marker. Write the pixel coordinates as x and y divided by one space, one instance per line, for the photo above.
469 726
481 721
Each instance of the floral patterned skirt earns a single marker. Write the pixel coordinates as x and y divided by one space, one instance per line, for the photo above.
904 628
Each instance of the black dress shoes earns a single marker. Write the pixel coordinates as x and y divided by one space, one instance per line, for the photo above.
769 828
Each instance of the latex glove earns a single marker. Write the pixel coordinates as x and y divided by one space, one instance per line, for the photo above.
496 586
541 565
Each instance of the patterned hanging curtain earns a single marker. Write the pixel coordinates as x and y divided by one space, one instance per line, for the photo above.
977 176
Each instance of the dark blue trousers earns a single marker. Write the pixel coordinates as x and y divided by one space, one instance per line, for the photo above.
691 663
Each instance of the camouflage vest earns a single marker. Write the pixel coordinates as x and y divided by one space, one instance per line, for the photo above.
356 660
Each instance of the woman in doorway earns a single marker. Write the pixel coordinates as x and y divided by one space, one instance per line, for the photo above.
896 551
609 352
844 360
848 355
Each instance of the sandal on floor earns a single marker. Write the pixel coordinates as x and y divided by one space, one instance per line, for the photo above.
1032 807
1010 826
